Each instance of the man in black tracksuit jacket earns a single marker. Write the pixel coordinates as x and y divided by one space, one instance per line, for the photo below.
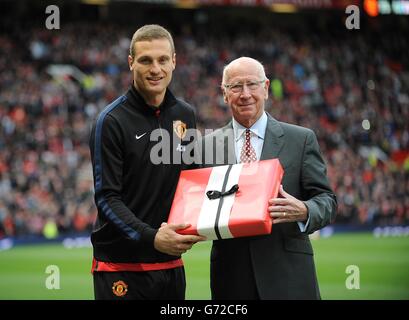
136 255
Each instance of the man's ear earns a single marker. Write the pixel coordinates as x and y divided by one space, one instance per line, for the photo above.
130 61
174 61
267 88
224 95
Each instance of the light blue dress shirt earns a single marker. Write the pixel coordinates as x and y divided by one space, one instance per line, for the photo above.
258 131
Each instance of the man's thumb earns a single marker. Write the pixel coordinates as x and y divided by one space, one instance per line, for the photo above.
179 226
283 193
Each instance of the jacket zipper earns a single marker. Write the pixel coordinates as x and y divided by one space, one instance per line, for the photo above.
157 114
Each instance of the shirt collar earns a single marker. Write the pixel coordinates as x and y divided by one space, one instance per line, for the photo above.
258 128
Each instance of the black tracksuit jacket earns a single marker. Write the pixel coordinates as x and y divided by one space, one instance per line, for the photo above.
133 195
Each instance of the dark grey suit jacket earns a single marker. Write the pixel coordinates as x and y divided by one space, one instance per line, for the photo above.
279 265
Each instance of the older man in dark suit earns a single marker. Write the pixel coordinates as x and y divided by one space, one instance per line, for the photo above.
279 265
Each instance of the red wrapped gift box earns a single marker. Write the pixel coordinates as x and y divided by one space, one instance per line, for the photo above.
227 201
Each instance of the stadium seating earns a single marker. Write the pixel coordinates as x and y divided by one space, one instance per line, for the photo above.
352 93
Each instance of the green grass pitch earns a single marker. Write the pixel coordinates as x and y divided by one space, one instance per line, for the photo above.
383 269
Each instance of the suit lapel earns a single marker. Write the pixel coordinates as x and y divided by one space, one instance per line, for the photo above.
225 142
273 142
273 139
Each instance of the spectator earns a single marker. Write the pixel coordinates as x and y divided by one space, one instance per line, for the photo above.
334 86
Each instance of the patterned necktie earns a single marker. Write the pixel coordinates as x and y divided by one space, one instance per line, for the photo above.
248 154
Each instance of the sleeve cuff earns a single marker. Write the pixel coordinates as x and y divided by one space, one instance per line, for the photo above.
304 225
148 235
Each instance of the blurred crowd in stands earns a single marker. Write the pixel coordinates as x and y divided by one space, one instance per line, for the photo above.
353 92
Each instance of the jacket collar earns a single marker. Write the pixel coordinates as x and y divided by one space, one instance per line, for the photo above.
273 139
138 102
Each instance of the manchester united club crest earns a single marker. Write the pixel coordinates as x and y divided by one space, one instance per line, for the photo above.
119 288
179 128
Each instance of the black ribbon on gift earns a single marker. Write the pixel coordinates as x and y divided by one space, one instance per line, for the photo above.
214 194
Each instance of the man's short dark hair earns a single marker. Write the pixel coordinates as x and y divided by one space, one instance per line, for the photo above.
150 32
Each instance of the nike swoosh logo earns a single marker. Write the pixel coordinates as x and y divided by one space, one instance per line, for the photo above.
138 137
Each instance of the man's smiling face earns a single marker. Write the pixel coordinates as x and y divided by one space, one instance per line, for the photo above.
152 68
